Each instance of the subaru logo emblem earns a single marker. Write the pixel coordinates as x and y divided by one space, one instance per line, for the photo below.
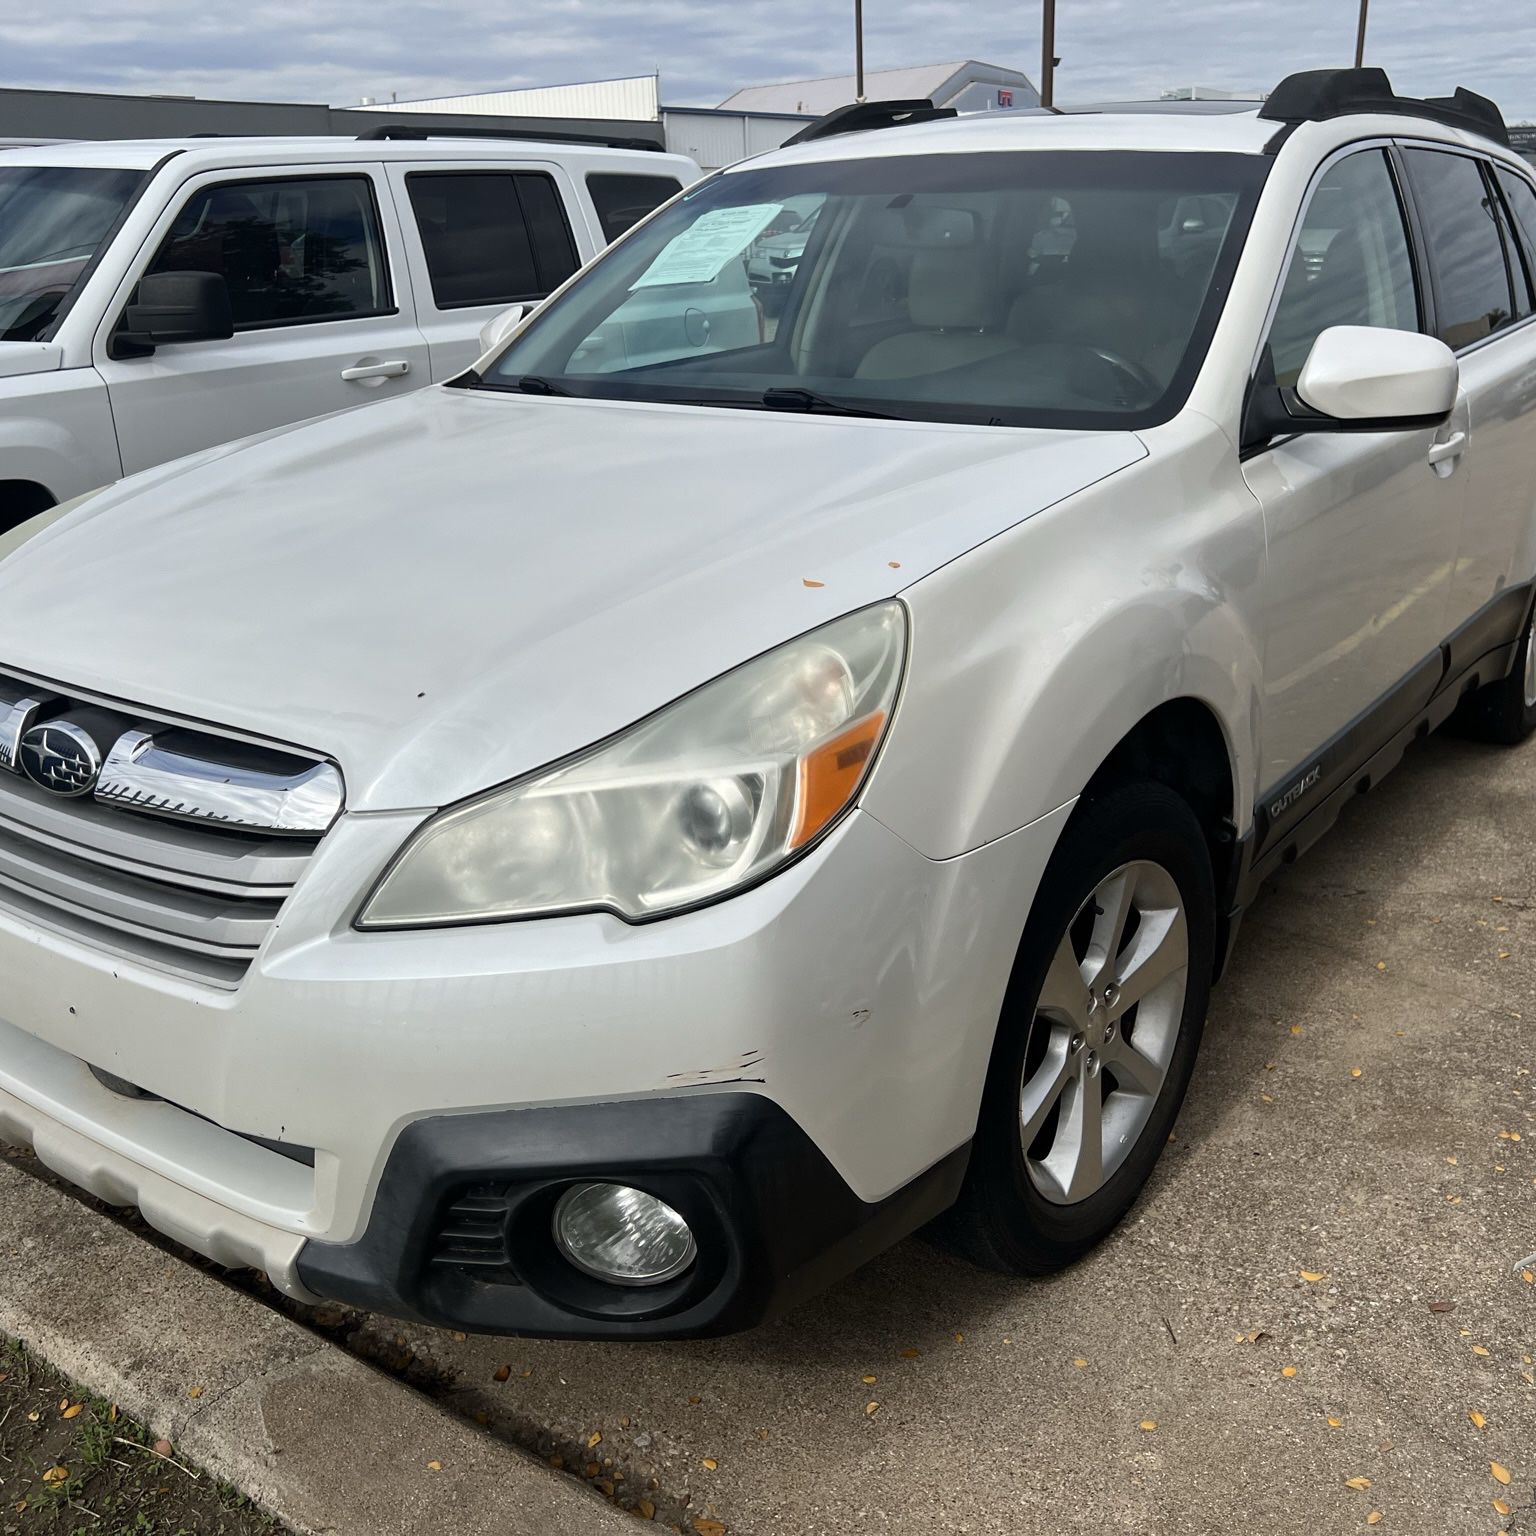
60 757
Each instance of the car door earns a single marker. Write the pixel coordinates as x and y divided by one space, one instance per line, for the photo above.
322 316
1362 528
1483 309
480 237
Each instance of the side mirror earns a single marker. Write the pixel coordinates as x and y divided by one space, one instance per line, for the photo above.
174 306
499 327
1359 378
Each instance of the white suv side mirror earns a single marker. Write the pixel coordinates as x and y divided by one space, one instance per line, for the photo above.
500 326
1357 373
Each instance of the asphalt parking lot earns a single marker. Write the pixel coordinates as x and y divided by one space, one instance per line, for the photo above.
1321 1286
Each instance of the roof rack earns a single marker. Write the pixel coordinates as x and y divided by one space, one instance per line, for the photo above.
1315 95
861 116
414 131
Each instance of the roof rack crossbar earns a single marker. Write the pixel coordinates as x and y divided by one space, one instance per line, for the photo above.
861 116
1316 95
559 136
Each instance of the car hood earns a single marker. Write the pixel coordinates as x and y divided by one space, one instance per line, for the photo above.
447 590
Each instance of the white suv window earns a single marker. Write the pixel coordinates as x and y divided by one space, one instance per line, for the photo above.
1351 265
291 252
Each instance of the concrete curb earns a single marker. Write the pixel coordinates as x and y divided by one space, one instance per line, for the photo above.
314 1436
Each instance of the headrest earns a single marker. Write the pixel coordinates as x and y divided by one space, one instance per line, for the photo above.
951 288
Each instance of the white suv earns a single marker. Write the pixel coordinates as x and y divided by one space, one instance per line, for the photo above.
160 297
600 849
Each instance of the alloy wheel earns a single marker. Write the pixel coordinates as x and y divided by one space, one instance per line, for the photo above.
1104 1030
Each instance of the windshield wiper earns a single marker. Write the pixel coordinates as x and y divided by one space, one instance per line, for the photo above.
532 384
793 398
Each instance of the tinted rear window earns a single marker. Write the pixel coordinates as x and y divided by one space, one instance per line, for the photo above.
622 201
491 237
1466 252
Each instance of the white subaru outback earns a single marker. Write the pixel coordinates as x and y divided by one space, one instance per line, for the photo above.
601 847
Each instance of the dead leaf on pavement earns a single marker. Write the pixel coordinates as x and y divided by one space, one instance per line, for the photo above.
868 1381
1080 1363
1529 1276
1359 1484
502 1372
1503 1507
1477 1419
1312 1276
74 1410
595 1438
56 1475
194 1391
1147 1424
910 1354
1334 1423
710 1464
1375 1517
1354 1071
1479 1349
1442 1306
871 1409
1287 1371
434 1466
712 1527
645 1509
1500 1472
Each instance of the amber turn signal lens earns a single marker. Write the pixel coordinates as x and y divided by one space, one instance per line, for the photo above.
830 773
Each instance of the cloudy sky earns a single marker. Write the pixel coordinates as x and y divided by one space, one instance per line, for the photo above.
339 50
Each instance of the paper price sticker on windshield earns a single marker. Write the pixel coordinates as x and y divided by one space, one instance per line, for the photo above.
700 253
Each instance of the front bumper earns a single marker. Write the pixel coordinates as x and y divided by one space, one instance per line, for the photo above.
460 1233
836 1020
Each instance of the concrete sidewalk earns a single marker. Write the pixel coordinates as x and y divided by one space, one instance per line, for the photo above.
307 1431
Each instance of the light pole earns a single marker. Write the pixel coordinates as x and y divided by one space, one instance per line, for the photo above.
1365 6
1048 53
858 50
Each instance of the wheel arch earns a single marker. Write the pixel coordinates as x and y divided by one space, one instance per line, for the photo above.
21 499
1183 745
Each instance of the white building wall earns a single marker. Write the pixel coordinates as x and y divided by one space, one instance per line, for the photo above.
633 99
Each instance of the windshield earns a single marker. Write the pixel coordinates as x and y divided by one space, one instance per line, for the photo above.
52 218
1038 288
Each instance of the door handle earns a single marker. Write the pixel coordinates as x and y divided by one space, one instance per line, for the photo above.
1452 448
376 371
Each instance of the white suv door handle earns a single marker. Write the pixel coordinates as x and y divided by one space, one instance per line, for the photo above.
1451 448
376 371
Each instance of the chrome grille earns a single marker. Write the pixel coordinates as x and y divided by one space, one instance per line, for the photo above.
196 898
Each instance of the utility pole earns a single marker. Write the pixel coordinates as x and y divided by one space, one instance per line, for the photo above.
1365 6
1048 59
858 50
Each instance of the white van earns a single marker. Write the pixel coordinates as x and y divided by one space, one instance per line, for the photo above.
164 296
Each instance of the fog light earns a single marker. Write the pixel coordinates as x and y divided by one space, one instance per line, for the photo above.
622 1235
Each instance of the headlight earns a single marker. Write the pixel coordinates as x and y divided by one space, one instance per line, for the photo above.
710 794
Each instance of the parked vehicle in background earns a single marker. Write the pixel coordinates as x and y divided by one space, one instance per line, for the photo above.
161 297
603 848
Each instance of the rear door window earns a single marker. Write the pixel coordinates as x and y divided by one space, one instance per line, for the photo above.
1466 249
1520 199
291 252
491 237
622 201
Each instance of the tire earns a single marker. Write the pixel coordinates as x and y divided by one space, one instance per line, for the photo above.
1505 711
1031 1208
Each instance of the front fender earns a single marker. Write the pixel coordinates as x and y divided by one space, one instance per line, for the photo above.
1037 653
56 430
